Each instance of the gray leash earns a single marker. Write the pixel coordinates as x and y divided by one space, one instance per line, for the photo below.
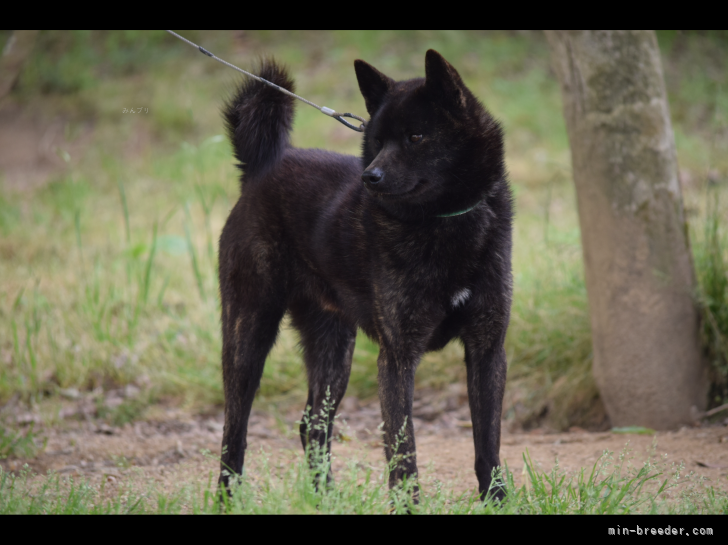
323 109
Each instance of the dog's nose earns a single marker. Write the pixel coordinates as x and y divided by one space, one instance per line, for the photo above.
372 176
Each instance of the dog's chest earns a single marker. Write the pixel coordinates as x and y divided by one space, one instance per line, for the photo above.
440 270
460 297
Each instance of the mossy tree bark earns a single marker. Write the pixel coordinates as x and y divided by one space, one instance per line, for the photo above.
640 280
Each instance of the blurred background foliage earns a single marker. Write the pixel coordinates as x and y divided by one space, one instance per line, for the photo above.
108 252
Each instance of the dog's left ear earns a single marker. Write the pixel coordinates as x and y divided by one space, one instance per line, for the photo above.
372 84
443 82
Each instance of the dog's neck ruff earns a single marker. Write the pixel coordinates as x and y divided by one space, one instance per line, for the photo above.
459 213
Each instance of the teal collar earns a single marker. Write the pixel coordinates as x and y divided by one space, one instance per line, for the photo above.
460 213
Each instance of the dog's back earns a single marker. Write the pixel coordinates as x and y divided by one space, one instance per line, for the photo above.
284 189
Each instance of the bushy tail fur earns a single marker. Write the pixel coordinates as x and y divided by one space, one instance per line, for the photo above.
258 119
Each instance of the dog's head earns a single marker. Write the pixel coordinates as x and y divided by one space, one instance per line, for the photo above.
429 140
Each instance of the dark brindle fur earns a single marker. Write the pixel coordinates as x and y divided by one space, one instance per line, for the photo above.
342 242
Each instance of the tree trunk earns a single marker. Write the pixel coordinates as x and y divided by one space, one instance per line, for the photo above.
640 280
15 53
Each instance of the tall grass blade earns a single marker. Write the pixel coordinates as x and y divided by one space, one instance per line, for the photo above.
148 268
18 299
125 208
77 225
207 210
160 297
33 371
193 254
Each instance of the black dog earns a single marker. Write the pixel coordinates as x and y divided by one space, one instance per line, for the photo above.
411 243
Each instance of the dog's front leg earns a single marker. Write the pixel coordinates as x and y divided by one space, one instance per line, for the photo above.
485 359
396 390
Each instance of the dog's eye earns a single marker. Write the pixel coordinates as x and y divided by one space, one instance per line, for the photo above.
415 138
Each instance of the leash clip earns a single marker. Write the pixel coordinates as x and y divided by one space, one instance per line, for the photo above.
338 117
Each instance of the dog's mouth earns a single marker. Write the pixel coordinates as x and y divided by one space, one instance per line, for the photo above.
418 188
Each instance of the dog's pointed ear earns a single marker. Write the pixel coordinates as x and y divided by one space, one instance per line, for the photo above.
443 82
372 84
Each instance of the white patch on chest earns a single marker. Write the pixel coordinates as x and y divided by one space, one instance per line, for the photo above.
460 297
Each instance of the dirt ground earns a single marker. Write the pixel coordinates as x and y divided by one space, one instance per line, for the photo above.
167 447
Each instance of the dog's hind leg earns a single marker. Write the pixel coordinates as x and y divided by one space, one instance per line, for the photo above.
251 313
328 346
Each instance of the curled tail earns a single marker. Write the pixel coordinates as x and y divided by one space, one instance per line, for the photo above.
258 119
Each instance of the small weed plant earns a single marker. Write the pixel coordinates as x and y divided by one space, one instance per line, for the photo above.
20 445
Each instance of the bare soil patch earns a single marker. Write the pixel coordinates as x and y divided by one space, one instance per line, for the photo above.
167 448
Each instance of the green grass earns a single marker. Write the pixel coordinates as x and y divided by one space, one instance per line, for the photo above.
20 444
712 269
611 486
109 271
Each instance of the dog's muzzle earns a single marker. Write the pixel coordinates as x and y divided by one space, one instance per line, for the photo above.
372 177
